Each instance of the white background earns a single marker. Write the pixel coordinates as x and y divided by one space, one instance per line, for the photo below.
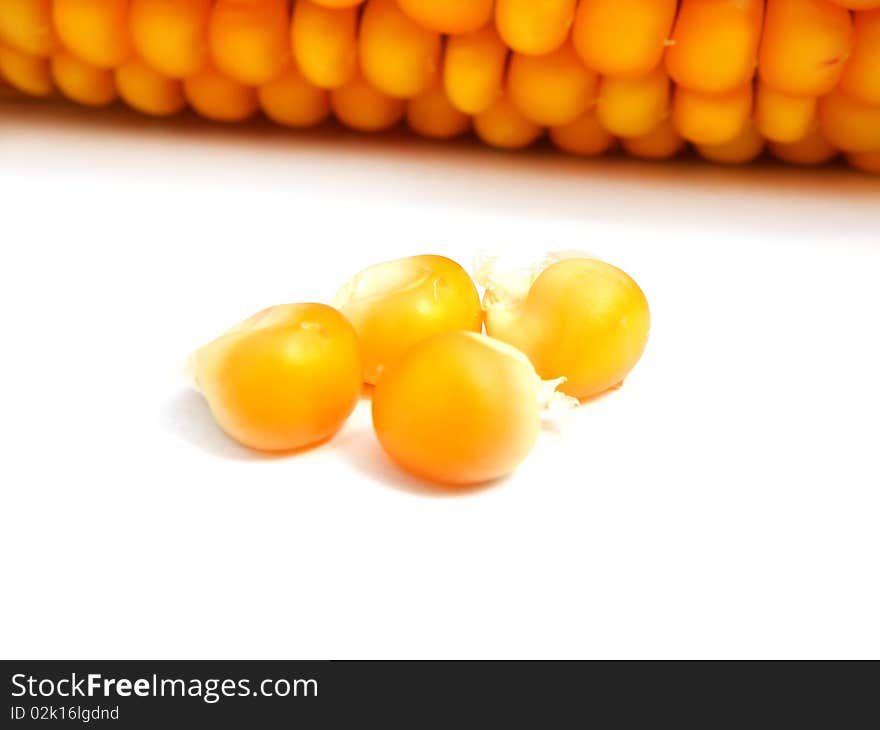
724 503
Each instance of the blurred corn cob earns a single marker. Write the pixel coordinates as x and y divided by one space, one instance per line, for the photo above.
732 78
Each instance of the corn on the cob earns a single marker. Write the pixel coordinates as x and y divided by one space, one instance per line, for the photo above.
731 77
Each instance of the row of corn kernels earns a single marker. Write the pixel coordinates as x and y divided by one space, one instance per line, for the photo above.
731 77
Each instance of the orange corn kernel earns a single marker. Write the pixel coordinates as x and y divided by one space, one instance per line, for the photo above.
26 26
449 16
553 89
216 96
584 136
459 408
83 82
250 39
171 35
474 65
534 28
148 91
95 31
294 102
397 304
579 319
432 115
284 379
397 55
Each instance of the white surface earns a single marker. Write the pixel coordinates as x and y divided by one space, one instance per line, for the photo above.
724 503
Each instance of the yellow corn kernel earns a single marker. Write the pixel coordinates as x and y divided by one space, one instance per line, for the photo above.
324 42
661 143
553 89
849 125
26 26
504 126
579 319
94 30
814 149
432 115
861 75
294 102
745 147
715 44
359 105
216 96
397 56
623 38
83 82
711 119
171 35
782 117
804 47
250 39
449 16
287 378
865 161
29 74
584 137
633 107
148 91
473 69
533 27
459 409
397 304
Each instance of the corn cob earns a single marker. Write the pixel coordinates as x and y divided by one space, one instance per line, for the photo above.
732 78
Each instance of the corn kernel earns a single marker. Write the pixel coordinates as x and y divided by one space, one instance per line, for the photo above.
782 117
711 119
324 42
715 44
250 40
661 143
29 74
292 101
449 16
220 97
458 409
474 66
395 305
534 28
865 161
553 89
285 379
171 35
633 107
578 319
504 126
584 136
623 38
148 91
848 124
745 147
861 75
397 56
26 26
83 82
361 106
96 31
805 45
432 115
814 149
